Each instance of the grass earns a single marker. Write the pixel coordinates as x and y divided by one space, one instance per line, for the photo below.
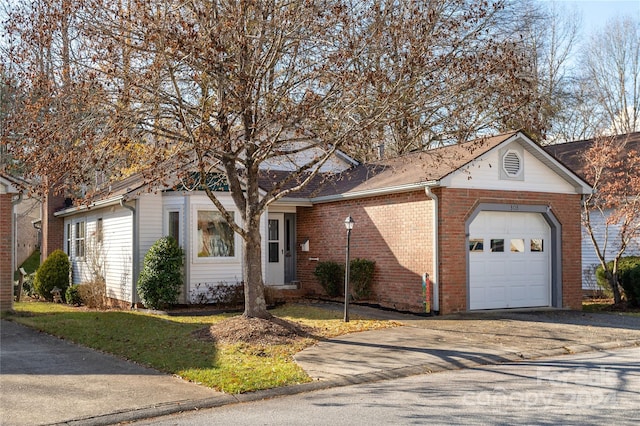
167 344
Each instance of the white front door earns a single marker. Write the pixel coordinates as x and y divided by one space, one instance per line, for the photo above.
275 249
509 260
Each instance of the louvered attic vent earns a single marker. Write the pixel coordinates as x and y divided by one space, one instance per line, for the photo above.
512 164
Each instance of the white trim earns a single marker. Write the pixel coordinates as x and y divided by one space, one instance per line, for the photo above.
373 192
98 204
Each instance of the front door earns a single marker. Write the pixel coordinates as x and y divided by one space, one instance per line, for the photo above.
275 249
281 253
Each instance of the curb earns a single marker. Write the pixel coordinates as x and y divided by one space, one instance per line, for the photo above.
377 376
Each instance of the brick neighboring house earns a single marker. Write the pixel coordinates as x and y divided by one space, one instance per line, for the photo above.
495 223
8 190
571 154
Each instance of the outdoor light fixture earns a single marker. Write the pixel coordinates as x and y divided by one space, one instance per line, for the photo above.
348 223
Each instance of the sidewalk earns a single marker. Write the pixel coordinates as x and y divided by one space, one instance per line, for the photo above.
44 380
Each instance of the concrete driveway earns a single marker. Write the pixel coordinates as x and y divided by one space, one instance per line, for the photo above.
429 344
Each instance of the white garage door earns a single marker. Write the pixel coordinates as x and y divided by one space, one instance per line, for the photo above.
509 261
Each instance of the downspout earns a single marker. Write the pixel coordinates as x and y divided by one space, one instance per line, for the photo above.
134 252
436 253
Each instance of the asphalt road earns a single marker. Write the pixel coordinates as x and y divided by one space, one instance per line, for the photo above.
594 388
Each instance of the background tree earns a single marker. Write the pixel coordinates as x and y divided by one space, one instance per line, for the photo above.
611 66
230 87
612 168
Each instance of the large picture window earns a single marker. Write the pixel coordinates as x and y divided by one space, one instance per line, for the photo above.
215 236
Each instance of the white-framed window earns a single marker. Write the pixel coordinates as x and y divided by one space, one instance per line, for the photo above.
79 240
69 240
99 231
214 237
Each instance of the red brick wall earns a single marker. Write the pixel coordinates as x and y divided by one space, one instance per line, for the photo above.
6 268
455 207
52 227
393 230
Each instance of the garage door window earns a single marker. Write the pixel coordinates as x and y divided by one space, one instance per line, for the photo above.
537 245
476 244
517 245
497 245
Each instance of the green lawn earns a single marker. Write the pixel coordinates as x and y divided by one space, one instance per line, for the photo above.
30 265
167 344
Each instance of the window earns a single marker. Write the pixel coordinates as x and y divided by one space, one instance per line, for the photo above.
174 226
537 245
79 239
517 245
69 240
215 236
99 233
497 245
476 244
274 241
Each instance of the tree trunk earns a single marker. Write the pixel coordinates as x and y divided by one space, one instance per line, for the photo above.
615 288
255 305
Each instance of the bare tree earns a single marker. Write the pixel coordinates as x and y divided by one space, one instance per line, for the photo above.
227 87
611 214
611 64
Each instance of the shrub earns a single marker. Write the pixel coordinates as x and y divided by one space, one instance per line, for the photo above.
54 272
161 276
628 278
331 276
361 277
72 295
92 293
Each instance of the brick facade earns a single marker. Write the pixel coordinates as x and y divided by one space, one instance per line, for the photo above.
456 205
52 227
6 268
396 231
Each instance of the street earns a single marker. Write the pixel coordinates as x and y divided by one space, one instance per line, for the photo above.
588 388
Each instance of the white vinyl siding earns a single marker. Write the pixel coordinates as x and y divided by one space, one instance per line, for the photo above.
590 259
483 173
112 257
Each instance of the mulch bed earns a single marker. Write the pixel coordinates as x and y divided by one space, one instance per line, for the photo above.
241 329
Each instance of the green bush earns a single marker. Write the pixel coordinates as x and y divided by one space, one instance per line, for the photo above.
628 278
331 276
54 272
161 276
72 295
361 277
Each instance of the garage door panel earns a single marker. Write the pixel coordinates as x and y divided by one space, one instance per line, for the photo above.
520 275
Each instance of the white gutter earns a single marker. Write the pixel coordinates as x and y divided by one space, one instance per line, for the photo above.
374 192
435 306
98 204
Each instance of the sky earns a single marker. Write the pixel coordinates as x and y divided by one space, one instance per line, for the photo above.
596 13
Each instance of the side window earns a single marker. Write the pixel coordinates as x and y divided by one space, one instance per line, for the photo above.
174 226
99 232
69 240
80 238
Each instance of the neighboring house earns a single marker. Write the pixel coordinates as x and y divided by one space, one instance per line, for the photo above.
495 223
8 193
570 154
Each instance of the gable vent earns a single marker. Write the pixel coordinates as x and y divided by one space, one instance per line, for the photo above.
511 163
